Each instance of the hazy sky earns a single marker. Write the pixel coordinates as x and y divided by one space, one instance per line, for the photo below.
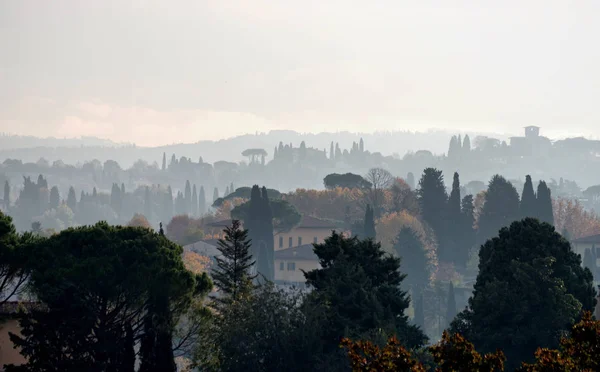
156 72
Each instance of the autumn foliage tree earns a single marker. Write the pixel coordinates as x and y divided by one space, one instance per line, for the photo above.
367 357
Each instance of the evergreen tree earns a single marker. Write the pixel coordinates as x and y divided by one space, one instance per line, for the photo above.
194 201
167 207
419 318
115 198
454 224
528 200
180 206
357 291
410 180
173 162
544 203
275 153
188 197
500 209
451 304
233 272
72 199
454 148
6 195
164 162
530 288
231 188
259 222
432 199
202 201
414 261
466 232
466 145
269 270
148 204
369 224
361 145
331 152
338 152
215 194
54 198
122 191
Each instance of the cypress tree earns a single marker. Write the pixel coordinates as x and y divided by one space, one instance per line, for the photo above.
361 145
188 197
500 209
164 161
72 199
269 271
432 199
528 205
544 204
453 149
194 201
453 224
94 194
466 145
168 205
202 201
54 198
451 304
231 188
331 152
215 194
6 195
369 227
413 260
466 231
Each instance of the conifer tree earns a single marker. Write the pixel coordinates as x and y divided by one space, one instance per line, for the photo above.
361 145
466 145
466 231
451 304
231 188
453 224
215 194
202 201
72 199
331 152
369 227
544 204
147 204
167 208
164 162
6 195
188 197
54 198
233 272
432 199
500 209
414 261
194 201
528 205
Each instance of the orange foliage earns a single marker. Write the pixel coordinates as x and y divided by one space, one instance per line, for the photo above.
224 211
455 353
329 204
139 220
367 357
570 215
195 262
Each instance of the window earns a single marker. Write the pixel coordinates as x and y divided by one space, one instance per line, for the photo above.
290 242
281 264
299 241
281 242
291 266
315 240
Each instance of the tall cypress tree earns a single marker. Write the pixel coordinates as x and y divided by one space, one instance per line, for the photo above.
466 231
369 227
202 201
188 197
164 161
331 152
6 195
528 205
194 201
54 198
269 271
231 188
72 199
167 208
432 199
215 194
500 209
448 252
466 148
544 203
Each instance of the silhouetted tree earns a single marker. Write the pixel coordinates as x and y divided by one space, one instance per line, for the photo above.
188 197
164 161
466 233
466 144
6 200
215 194
432 199
202 201
453 224
369 223
528 200
544 203
414 261
72 199
54 198
331 152
194 201
500 209
147 203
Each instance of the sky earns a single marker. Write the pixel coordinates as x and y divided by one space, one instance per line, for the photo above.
162 72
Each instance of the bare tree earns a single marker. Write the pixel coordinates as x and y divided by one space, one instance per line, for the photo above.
380 180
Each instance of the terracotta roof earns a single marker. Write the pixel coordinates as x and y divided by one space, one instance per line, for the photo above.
222 223
302 252
309 222
588 239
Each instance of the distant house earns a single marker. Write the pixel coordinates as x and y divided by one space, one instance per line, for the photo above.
290 262
532 144
309 230
581 244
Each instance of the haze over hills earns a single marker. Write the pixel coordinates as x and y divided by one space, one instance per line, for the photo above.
73 151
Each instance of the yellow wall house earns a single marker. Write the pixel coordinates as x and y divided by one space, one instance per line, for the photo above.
587 242
294 249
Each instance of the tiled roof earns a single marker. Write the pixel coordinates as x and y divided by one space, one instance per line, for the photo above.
309 222
593 239
302 252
